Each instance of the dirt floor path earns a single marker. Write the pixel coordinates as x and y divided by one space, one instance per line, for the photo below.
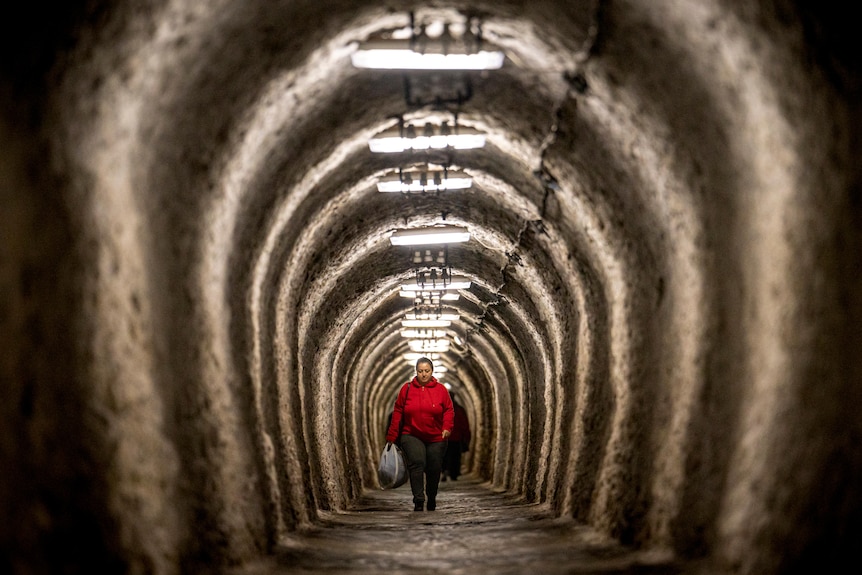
473 531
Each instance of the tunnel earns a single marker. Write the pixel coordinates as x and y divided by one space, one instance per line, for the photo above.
201 308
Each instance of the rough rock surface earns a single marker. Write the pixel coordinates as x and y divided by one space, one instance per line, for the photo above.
474 530
199 311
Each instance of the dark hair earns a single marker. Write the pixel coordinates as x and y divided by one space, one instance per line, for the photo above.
424 360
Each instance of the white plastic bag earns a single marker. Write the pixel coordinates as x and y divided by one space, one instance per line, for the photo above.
392 471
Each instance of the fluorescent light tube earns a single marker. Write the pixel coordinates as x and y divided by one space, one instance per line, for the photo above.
454 283
457 181
425 323
423 333
430 236
430 348
444 296
413 356
383 144
392 141
411 181
424 341
398 54
438 345
465 141
388 184
444 316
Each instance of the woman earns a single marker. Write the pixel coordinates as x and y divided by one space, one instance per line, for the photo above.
425 407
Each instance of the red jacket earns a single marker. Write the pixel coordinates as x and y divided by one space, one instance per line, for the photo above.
428 412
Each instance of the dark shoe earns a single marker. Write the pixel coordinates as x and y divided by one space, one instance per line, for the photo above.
432 505
418 506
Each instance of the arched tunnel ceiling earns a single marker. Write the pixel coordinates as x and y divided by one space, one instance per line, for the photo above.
657 191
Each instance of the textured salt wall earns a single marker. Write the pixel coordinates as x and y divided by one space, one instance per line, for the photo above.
199 320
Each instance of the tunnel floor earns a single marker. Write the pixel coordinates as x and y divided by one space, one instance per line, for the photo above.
474 530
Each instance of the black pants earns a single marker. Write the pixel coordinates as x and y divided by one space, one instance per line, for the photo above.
424 464
452 461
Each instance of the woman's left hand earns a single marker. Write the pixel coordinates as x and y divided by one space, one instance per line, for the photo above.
446 433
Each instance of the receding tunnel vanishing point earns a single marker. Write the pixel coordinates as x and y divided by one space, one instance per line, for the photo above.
201 307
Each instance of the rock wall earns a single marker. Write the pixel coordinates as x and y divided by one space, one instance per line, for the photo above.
199 303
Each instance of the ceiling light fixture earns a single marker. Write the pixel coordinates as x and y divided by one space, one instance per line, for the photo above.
423 333
405 137
424 181
454 283
429 295
429 345
422 51
432 235
413 356
429 298
398 54
444 316
425 323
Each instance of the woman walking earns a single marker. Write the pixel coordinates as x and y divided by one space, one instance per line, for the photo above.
425 408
